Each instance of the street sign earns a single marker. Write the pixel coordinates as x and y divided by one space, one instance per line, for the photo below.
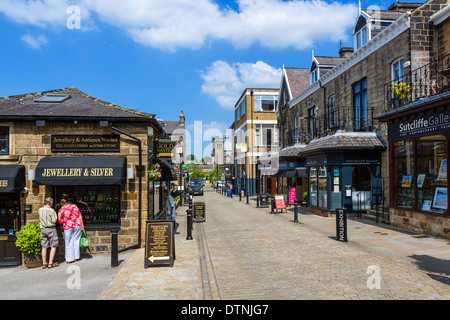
199 209
159 244
341 224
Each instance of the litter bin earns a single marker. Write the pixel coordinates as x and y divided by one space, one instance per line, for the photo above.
228 192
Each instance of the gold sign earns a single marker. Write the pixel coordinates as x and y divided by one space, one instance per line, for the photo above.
78 172
164 149
3 183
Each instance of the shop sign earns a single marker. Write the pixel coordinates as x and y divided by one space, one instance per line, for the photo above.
3 183
164 149
429 124
292 195
280 204
199 210
159 244
85 143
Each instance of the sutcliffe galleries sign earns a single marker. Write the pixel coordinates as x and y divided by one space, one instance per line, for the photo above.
434 123
85 143
164 149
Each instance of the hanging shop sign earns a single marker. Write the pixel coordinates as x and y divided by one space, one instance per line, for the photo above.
85 143
159 244
164 149
428 124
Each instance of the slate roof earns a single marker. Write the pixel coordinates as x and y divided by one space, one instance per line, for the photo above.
170 126
342 140
80 106
329 61
298 79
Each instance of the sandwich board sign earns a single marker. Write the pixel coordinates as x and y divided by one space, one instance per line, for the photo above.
159 243
280 203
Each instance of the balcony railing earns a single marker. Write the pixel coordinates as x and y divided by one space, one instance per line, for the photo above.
429 80
341 118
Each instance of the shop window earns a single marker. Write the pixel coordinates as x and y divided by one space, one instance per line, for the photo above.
432 173
404 195
4 140
313 186
99 205
322 188
336 197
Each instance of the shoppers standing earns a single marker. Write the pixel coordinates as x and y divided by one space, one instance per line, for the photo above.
70 217
49 236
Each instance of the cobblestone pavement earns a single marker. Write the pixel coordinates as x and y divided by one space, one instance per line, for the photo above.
244 252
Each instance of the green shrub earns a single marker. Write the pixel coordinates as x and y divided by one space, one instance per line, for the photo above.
29 239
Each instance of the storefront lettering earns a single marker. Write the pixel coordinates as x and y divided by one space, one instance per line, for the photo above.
78 172
423 125
3 183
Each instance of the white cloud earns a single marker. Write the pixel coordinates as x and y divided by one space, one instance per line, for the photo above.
35 42
225 82
173 24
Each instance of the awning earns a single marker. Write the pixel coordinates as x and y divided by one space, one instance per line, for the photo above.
168 172
294 173
86 171
12 178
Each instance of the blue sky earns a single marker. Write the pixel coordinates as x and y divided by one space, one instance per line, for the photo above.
164 56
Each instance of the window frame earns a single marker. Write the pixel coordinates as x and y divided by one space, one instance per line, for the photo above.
7 136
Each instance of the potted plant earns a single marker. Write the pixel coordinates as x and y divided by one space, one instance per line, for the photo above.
29 243
305 198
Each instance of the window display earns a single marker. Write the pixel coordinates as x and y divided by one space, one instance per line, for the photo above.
99 205
313 186
404 164
432 173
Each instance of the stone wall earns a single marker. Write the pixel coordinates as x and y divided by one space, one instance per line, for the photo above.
30 143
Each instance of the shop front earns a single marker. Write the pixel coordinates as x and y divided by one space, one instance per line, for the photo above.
12 183
344 171
93 183
419 136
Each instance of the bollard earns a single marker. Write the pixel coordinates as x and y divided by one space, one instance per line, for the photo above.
247 197
272 204
257 200
295 211
240 196
114 248
189 220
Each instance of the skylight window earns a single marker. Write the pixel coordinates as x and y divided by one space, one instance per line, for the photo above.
53 98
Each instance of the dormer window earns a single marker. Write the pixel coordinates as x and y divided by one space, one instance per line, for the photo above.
314 75
362 37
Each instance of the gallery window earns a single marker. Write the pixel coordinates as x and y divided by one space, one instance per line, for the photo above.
420 168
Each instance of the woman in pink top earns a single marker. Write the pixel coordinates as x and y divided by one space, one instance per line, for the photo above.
70 217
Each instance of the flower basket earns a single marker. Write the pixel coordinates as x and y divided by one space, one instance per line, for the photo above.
154 173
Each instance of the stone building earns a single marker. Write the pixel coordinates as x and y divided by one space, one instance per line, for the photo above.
334 122
65 143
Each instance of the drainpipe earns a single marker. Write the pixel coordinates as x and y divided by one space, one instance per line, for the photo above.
139 172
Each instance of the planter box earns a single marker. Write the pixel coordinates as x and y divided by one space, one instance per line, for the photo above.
32 260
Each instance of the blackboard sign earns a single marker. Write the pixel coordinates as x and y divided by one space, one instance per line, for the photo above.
199 211
159 244
264 201
341 224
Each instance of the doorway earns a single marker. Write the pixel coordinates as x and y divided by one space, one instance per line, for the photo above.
9 225
362 188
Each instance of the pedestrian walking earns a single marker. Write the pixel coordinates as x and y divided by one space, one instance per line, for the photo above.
70 217
169 206
49 236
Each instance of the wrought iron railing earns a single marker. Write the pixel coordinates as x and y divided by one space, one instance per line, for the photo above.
426 81
339 118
